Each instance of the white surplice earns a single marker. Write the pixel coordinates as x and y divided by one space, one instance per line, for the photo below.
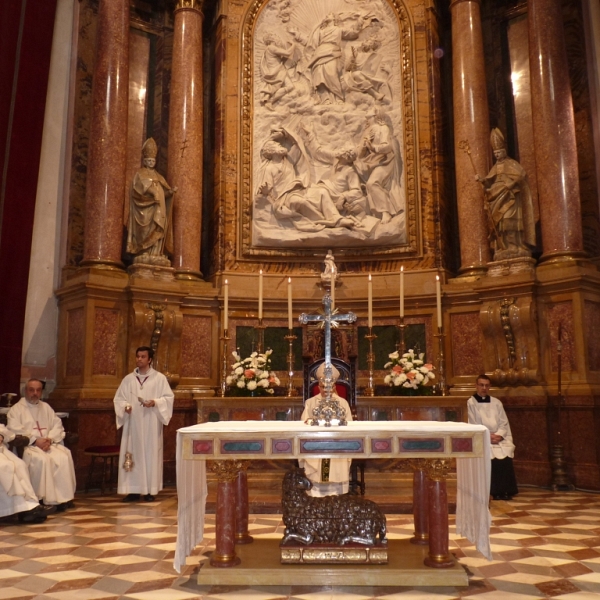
52 473
491 415
16 493
143 430
339 468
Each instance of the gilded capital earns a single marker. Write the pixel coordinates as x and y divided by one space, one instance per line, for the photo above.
187 4
453 3
437 470
417 464
226 470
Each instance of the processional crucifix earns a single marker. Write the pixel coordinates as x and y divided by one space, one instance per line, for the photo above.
328 411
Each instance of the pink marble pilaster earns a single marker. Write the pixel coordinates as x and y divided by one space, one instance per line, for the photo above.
107 151
554 133
472 127
185 138
241 507
420 508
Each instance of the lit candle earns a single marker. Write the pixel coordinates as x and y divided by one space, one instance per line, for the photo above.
438 293
289 303
401 292
225 305
370 301
260 293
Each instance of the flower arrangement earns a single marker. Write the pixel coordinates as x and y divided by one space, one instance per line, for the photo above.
409 374
251 376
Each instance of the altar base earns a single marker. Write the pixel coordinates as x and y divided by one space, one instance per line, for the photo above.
261 565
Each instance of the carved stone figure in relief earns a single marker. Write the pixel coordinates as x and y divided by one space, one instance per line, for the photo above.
509 204
379 165
149 231
363 70
277 69
285 184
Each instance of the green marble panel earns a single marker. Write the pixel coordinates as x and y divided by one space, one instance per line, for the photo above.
247 338
387 339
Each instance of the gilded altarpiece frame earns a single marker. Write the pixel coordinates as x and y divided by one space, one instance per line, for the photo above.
292 96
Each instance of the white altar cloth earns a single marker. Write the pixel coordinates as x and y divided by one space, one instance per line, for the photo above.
473 518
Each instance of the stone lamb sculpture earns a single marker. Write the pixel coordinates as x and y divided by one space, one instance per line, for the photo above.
337 520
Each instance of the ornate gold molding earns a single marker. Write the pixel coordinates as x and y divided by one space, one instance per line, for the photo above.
417 464
189 4
227 470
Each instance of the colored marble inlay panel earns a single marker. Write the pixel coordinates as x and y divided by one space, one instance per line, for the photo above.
381 445
75 339
106 331
561 314
196 343
467 350
462 444
592 321
247 415
202 447
422 445
281 446
243 446
331 446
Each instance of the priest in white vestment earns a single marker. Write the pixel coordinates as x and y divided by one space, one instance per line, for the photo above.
49 463
16 493
329 476
143 405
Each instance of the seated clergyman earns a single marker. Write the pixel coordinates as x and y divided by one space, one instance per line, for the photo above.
329 476
16 493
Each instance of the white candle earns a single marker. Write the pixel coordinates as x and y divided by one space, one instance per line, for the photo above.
438 293
401 292
225 305
370 301
289 303
260 294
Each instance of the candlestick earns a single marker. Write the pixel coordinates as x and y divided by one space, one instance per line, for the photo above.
370 289
332 291
370 389
438 294
401 344
260 344
402 292
442 387
225 305
290 337
260 295
225 339
290 326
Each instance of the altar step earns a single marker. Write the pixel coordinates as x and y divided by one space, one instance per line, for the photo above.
391 491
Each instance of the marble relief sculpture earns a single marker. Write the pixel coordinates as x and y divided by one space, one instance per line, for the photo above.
509 205
149 231
327 125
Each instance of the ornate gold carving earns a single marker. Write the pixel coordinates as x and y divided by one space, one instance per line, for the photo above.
189 4
410 154
438 469
226 470
334 555
417 464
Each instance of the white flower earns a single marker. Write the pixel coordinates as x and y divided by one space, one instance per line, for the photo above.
408 365
239 370
424 370
270 390
397 381
393 355
235 365
229 380
422 355
387 379
430 375
235 355
254 355
387 365
264 383
264 374
241 384
419 377
251 385
417 362
268 352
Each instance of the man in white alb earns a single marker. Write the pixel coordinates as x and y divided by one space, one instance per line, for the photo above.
329 476
49 463
143 405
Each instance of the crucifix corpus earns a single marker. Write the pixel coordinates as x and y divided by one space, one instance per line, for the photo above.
328 411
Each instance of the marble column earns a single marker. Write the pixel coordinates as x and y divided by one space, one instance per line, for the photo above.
554 134
107 150
242 536
471 134
224 554
420 504
439 553
185 138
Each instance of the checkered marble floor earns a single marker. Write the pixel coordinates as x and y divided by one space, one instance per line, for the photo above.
545 545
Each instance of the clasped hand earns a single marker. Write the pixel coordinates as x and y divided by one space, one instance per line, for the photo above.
43 444
495 438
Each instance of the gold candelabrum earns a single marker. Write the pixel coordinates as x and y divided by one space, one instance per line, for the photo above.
401 344
442 387
370 389
225 338
260 345
290 337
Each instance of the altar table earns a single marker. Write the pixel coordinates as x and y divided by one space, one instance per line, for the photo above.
429 447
